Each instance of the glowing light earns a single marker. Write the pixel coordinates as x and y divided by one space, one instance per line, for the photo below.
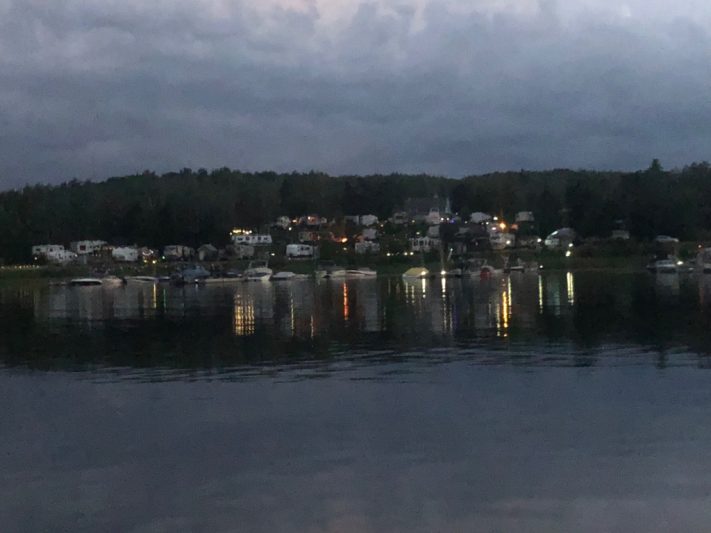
568 253
570 245
443 273
344 240
680 263
502 226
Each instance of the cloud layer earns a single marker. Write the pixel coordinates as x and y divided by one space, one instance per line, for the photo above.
93 88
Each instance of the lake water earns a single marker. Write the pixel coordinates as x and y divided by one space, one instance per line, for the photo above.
560 402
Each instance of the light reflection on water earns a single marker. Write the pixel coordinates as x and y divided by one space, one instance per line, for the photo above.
551 319
560 402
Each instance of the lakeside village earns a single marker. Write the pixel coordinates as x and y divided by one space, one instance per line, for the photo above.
423 240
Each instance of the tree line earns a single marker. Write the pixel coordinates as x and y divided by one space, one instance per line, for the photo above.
195 207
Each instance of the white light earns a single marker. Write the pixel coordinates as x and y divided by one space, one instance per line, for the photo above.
680 262
444 272
570 245
568 253
539 239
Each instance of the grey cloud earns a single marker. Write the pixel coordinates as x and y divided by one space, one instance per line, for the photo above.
94 89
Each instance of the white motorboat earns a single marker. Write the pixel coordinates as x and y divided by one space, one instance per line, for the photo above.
329 270
416 273
257 271
361 273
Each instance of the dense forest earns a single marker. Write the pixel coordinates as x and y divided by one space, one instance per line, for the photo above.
194 207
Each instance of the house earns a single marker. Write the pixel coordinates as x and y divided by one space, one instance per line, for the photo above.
240 236
312 220
430 210
479 218
207 252
61 257
368 220
125 254
369 234
42 250
423 244
366 247
561 238
177 252
86 247
304 251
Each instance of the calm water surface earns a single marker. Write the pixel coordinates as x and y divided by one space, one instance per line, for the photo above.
561 402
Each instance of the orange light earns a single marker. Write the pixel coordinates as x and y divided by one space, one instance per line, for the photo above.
502 226
344 239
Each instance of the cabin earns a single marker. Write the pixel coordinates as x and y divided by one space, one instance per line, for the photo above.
300 251
42 250
423 244
125 254
177 252
86 247
250 238
60 257
241 251
479 218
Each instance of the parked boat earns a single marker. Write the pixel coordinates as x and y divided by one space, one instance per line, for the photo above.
141 279
258 271
416 273
191 274
361 273
328 270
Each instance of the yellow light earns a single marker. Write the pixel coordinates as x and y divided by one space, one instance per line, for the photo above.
502 225
344 239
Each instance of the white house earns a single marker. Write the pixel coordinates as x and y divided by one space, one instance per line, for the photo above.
479 217
423 244
248 237
61 257
367 247
300 250
125 254
86 247
399 218
42 250
368 220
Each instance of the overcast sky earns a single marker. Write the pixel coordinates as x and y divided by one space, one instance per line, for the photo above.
97 88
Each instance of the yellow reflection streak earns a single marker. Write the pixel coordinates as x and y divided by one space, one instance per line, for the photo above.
540 294
570 287
345 301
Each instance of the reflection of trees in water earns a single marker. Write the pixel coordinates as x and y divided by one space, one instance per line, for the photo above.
523 317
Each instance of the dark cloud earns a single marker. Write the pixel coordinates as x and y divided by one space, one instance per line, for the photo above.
97 88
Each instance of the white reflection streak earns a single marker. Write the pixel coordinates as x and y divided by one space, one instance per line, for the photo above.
570 287
540 294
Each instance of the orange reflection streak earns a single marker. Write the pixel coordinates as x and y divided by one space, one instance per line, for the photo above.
345 301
